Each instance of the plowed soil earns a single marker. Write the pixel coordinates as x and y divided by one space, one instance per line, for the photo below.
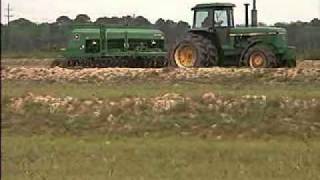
306 71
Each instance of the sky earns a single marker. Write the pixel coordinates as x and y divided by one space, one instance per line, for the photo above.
270 11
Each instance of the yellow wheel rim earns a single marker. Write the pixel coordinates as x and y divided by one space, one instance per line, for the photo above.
185 56
257 60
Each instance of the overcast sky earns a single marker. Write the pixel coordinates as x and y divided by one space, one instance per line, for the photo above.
270 11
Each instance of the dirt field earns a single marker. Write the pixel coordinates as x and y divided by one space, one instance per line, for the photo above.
306 71
46 63
219 123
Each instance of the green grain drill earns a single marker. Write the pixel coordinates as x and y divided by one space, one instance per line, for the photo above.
102 46
215 41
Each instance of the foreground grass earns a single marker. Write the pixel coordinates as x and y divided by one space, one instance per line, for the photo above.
99 157
137 143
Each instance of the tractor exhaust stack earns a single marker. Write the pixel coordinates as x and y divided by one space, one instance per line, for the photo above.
247 14
254 14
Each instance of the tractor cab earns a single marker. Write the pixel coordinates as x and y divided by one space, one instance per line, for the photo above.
212 16
216 18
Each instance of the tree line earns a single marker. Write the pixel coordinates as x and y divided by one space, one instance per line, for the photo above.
25 35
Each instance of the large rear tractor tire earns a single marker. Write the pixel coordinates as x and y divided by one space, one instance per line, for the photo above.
194 51
260 56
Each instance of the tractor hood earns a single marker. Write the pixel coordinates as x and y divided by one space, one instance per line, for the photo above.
256 31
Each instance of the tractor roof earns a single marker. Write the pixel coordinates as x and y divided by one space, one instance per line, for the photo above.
211 5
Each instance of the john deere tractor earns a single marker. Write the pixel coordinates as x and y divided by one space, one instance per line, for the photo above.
215 41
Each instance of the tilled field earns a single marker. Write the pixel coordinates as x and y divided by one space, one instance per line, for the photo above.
114 74
209 115
119 100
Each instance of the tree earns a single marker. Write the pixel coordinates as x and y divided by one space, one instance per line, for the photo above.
141 21
22 22
3 37
110 21
183 25
315 22
126 20
102 20
262 24
160 22
82 18
63 20
23 34
281 24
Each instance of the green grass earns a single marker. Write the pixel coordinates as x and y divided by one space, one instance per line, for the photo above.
149 89
92 157
30 54
26 62
310 54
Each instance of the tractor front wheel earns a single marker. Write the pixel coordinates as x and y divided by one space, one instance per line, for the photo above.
260 57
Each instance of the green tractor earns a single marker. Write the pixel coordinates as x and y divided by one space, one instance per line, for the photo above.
215 41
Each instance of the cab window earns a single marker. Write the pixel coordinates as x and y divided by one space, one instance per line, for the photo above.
221 18
202 19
